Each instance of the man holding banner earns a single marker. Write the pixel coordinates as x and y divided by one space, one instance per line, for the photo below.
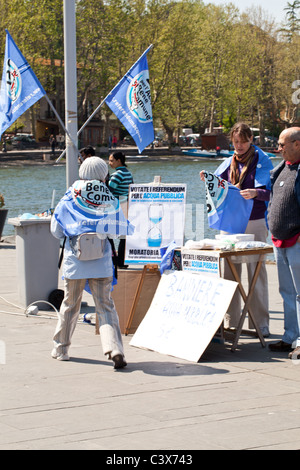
241 208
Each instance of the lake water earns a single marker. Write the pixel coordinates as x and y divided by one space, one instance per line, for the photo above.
30 189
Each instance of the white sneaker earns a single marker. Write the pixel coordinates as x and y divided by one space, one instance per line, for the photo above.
60 357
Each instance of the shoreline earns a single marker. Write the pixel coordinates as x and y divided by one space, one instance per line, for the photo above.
43 157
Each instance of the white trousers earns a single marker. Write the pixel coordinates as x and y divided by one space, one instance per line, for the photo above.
259 304
110 332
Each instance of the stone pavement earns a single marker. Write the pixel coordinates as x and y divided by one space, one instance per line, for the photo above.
229 401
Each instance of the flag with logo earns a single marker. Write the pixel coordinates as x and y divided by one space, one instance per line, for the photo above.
20 88
89 206
227 210
167 255
130 101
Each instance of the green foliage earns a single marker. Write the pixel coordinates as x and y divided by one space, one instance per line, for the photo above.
210 65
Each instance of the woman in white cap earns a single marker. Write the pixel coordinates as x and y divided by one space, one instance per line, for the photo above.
88 207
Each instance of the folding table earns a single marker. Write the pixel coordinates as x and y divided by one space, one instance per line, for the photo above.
228 256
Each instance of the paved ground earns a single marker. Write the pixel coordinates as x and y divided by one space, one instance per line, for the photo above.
243 400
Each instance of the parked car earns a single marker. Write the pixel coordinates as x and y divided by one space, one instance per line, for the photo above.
22 142
194 140
128 140
158 142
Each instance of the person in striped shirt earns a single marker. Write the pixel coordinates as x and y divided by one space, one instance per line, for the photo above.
121 179
118 184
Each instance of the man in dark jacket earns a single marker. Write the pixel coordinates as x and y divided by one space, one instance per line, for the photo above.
284 223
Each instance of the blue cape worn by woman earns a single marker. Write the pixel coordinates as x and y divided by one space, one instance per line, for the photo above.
89 206
263 168
224 217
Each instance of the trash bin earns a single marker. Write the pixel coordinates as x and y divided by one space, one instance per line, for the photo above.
37 259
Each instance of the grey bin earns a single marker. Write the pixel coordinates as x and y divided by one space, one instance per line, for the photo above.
37 260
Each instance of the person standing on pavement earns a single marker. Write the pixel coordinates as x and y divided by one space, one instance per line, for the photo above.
52 142
249 169
284 223
118 184
88 207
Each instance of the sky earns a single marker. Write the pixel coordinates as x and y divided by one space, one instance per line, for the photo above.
274 7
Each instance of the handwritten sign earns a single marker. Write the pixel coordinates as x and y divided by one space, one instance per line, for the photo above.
204 262
186 312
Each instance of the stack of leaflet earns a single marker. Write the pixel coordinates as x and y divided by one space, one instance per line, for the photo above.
237 238
209 244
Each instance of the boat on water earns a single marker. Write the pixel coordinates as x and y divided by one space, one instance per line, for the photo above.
207 153
274 155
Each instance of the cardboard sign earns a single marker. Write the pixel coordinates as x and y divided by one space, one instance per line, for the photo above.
157 211
186 312
202 262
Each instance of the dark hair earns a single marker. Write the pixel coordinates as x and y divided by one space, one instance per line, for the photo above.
120 156
242 130
89 150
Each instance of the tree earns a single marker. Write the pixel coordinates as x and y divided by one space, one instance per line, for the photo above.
209 65
37 28
292 21
174 64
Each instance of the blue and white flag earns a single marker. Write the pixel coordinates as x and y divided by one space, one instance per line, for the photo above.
89 206
167 255
20 88
227 210
130 101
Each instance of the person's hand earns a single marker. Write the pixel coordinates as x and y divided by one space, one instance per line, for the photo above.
249 193
202 176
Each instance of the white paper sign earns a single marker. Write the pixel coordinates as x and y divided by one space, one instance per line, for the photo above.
202 262
186 312
158 214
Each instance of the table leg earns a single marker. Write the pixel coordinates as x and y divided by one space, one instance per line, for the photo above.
247 302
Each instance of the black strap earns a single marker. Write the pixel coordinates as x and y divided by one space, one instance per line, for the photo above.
115 256
62 253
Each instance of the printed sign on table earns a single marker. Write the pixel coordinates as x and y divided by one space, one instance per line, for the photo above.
186 312
158 214
198 261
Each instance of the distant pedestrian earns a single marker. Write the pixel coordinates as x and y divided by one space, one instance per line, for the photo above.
52 142
118 184
60 139
284 223
114 142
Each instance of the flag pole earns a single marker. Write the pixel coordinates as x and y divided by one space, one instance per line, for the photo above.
103 101
61 123
81 129
71 90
